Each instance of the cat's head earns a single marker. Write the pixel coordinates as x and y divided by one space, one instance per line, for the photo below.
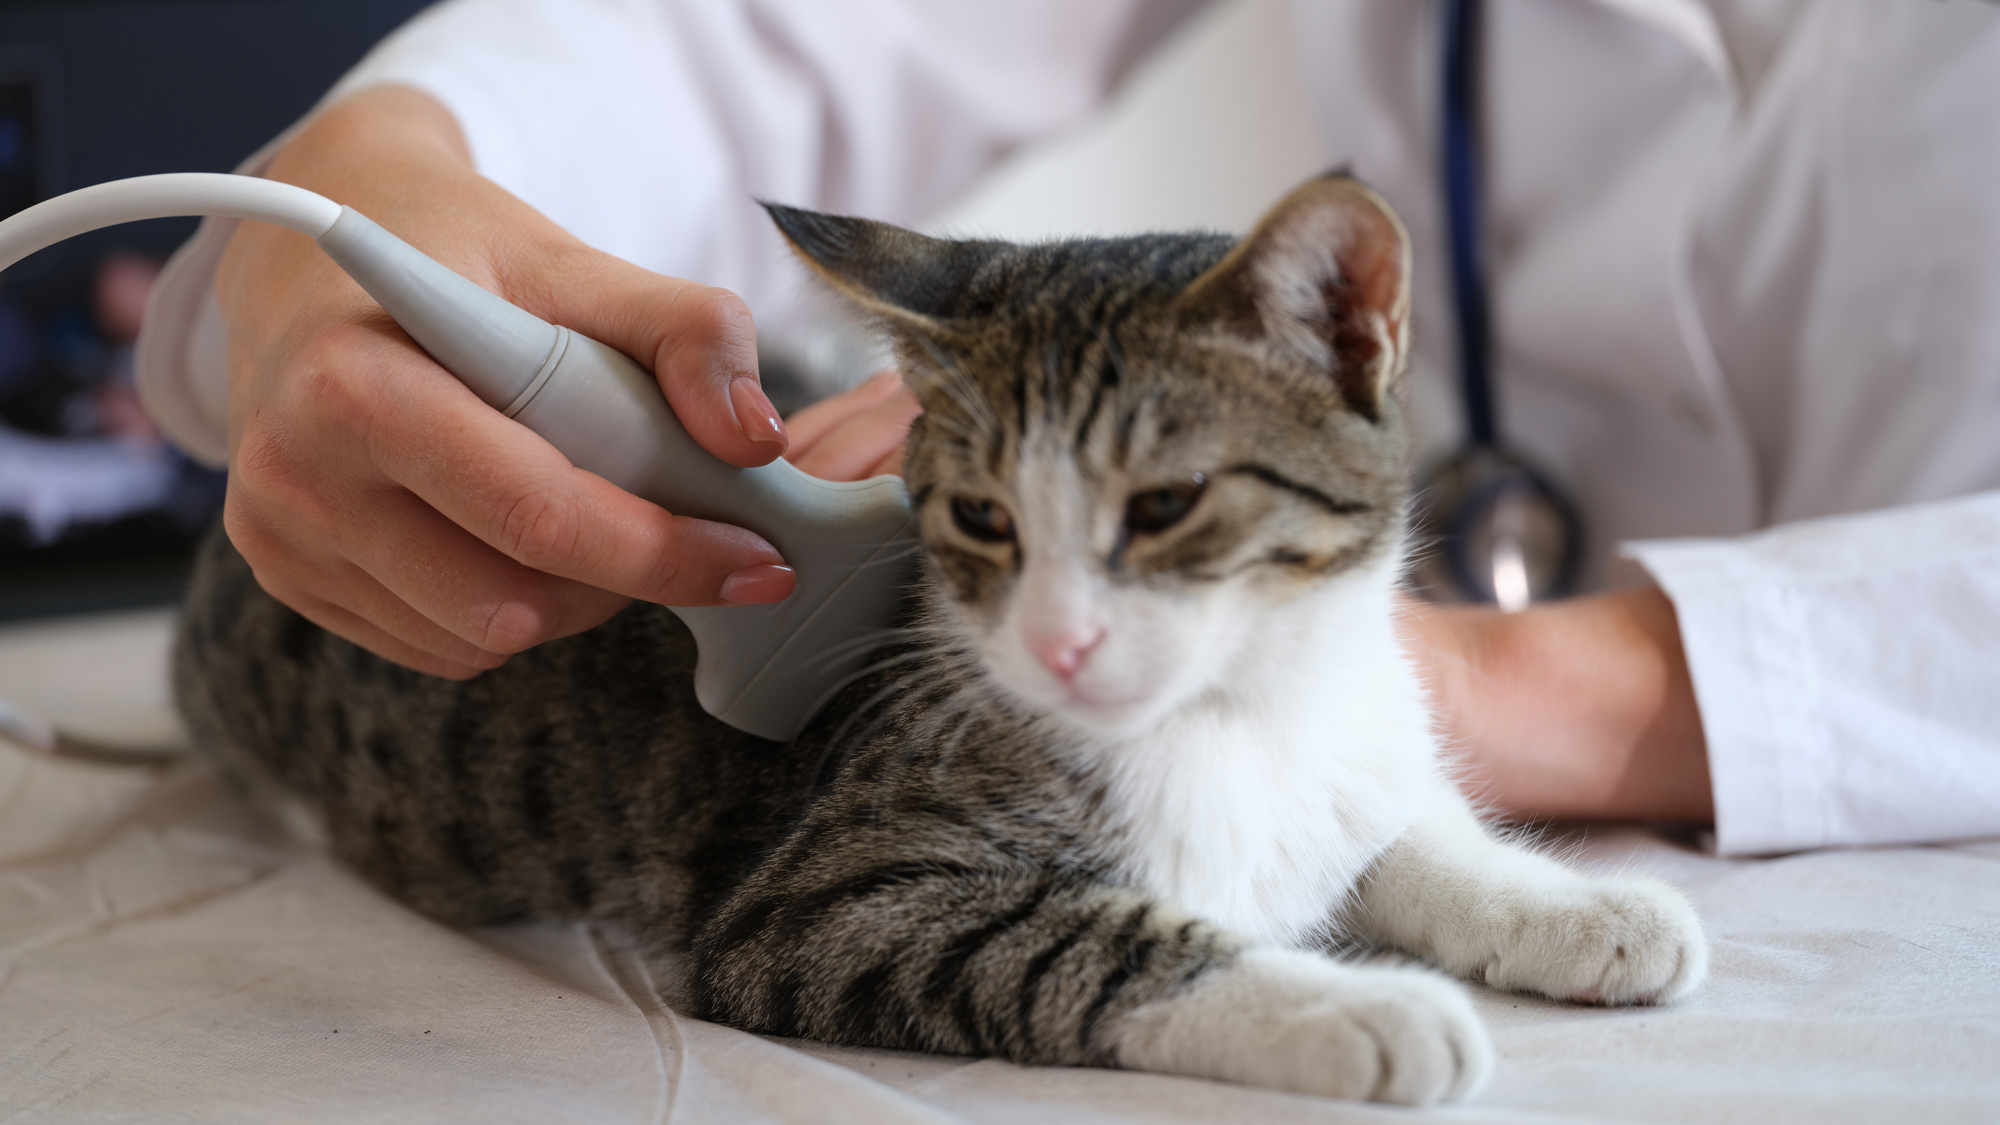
1139 454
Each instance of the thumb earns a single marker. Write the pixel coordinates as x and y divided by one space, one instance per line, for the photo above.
698 340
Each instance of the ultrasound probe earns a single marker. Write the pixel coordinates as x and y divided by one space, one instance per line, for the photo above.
762 669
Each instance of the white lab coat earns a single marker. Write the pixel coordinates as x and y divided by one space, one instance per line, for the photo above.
1746 285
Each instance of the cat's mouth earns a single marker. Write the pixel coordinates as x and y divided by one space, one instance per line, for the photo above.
1103 708
1097 701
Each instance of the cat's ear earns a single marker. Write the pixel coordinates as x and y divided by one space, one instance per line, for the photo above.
1325 277
890 271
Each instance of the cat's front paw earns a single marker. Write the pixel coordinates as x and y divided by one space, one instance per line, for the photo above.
1299 1021
1603 941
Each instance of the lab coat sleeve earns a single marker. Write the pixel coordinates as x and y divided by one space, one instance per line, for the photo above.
1846 673
650 128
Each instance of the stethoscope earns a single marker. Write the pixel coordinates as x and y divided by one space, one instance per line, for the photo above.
1504 534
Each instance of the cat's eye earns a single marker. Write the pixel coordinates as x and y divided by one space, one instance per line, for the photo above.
1157 509
982 519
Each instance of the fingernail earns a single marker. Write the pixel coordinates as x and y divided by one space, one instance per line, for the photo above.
759 585
754 413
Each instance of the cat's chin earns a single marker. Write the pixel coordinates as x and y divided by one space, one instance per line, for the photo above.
1111 717
1099 714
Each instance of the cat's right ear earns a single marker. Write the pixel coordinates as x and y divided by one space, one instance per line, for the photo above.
887 270
1325 279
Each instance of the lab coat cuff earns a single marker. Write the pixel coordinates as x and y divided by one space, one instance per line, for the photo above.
1744 637
181 359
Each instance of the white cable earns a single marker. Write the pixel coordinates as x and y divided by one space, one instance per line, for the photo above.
160 197
39 737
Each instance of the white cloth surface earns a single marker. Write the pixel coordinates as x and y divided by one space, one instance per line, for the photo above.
1745 269
167 956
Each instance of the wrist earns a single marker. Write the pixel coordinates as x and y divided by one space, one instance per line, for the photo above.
1664 774
1573 710
397 155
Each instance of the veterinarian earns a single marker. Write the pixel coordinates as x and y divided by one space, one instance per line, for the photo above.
1746 287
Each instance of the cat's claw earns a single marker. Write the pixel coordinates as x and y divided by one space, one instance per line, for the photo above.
1298 1021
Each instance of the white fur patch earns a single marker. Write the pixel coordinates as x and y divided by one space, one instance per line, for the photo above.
1259 804
1518 920
1298 1021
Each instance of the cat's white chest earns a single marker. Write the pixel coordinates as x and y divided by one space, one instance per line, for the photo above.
1262 817
1267 849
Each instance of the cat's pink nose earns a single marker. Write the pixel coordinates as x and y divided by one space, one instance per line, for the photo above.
1064 651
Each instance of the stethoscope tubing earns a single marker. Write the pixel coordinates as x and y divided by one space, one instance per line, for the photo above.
1462 171
1487 474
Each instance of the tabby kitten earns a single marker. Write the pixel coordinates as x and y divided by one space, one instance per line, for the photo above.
1146 743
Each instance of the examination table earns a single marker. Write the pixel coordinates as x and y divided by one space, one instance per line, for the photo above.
166 955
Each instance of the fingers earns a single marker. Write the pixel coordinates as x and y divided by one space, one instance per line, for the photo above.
376 495
807 427
698 340
384 644
389 578
528 503
891 464
868 441
345 600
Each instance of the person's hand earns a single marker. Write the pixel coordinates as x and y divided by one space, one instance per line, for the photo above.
374 494
1573 710
855 435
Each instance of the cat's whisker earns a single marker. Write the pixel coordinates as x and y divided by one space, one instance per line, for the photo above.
841 739
930 701
958 719
961 430
877 667
914 547
838 743
873 638
945 365
962 389
952 657
948 751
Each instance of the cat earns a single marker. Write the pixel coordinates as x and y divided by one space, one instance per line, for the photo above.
1142 753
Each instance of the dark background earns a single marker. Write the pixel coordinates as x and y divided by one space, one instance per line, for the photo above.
127 88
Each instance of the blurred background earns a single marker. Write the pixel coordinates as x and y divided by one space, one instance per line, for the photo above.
96 512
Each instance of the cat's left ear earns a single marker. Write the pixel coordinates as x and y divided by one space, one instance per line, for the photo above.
1325 277
890 271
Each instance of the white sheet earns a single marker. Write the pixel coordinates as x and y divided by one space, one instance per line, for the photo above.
166 956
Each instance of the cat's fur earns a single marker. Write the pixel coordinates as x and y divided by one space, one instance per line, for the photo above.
1147 743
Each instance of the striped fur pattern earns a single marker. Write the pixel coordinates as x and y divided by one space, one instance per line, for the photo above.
1144 743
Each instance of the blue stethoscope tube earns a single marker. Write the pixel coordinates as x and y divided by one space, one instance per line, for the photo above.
1459 156
1506 534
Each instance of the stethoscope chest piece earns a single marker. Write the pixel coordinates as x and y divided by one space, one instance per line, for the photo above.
1490 528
